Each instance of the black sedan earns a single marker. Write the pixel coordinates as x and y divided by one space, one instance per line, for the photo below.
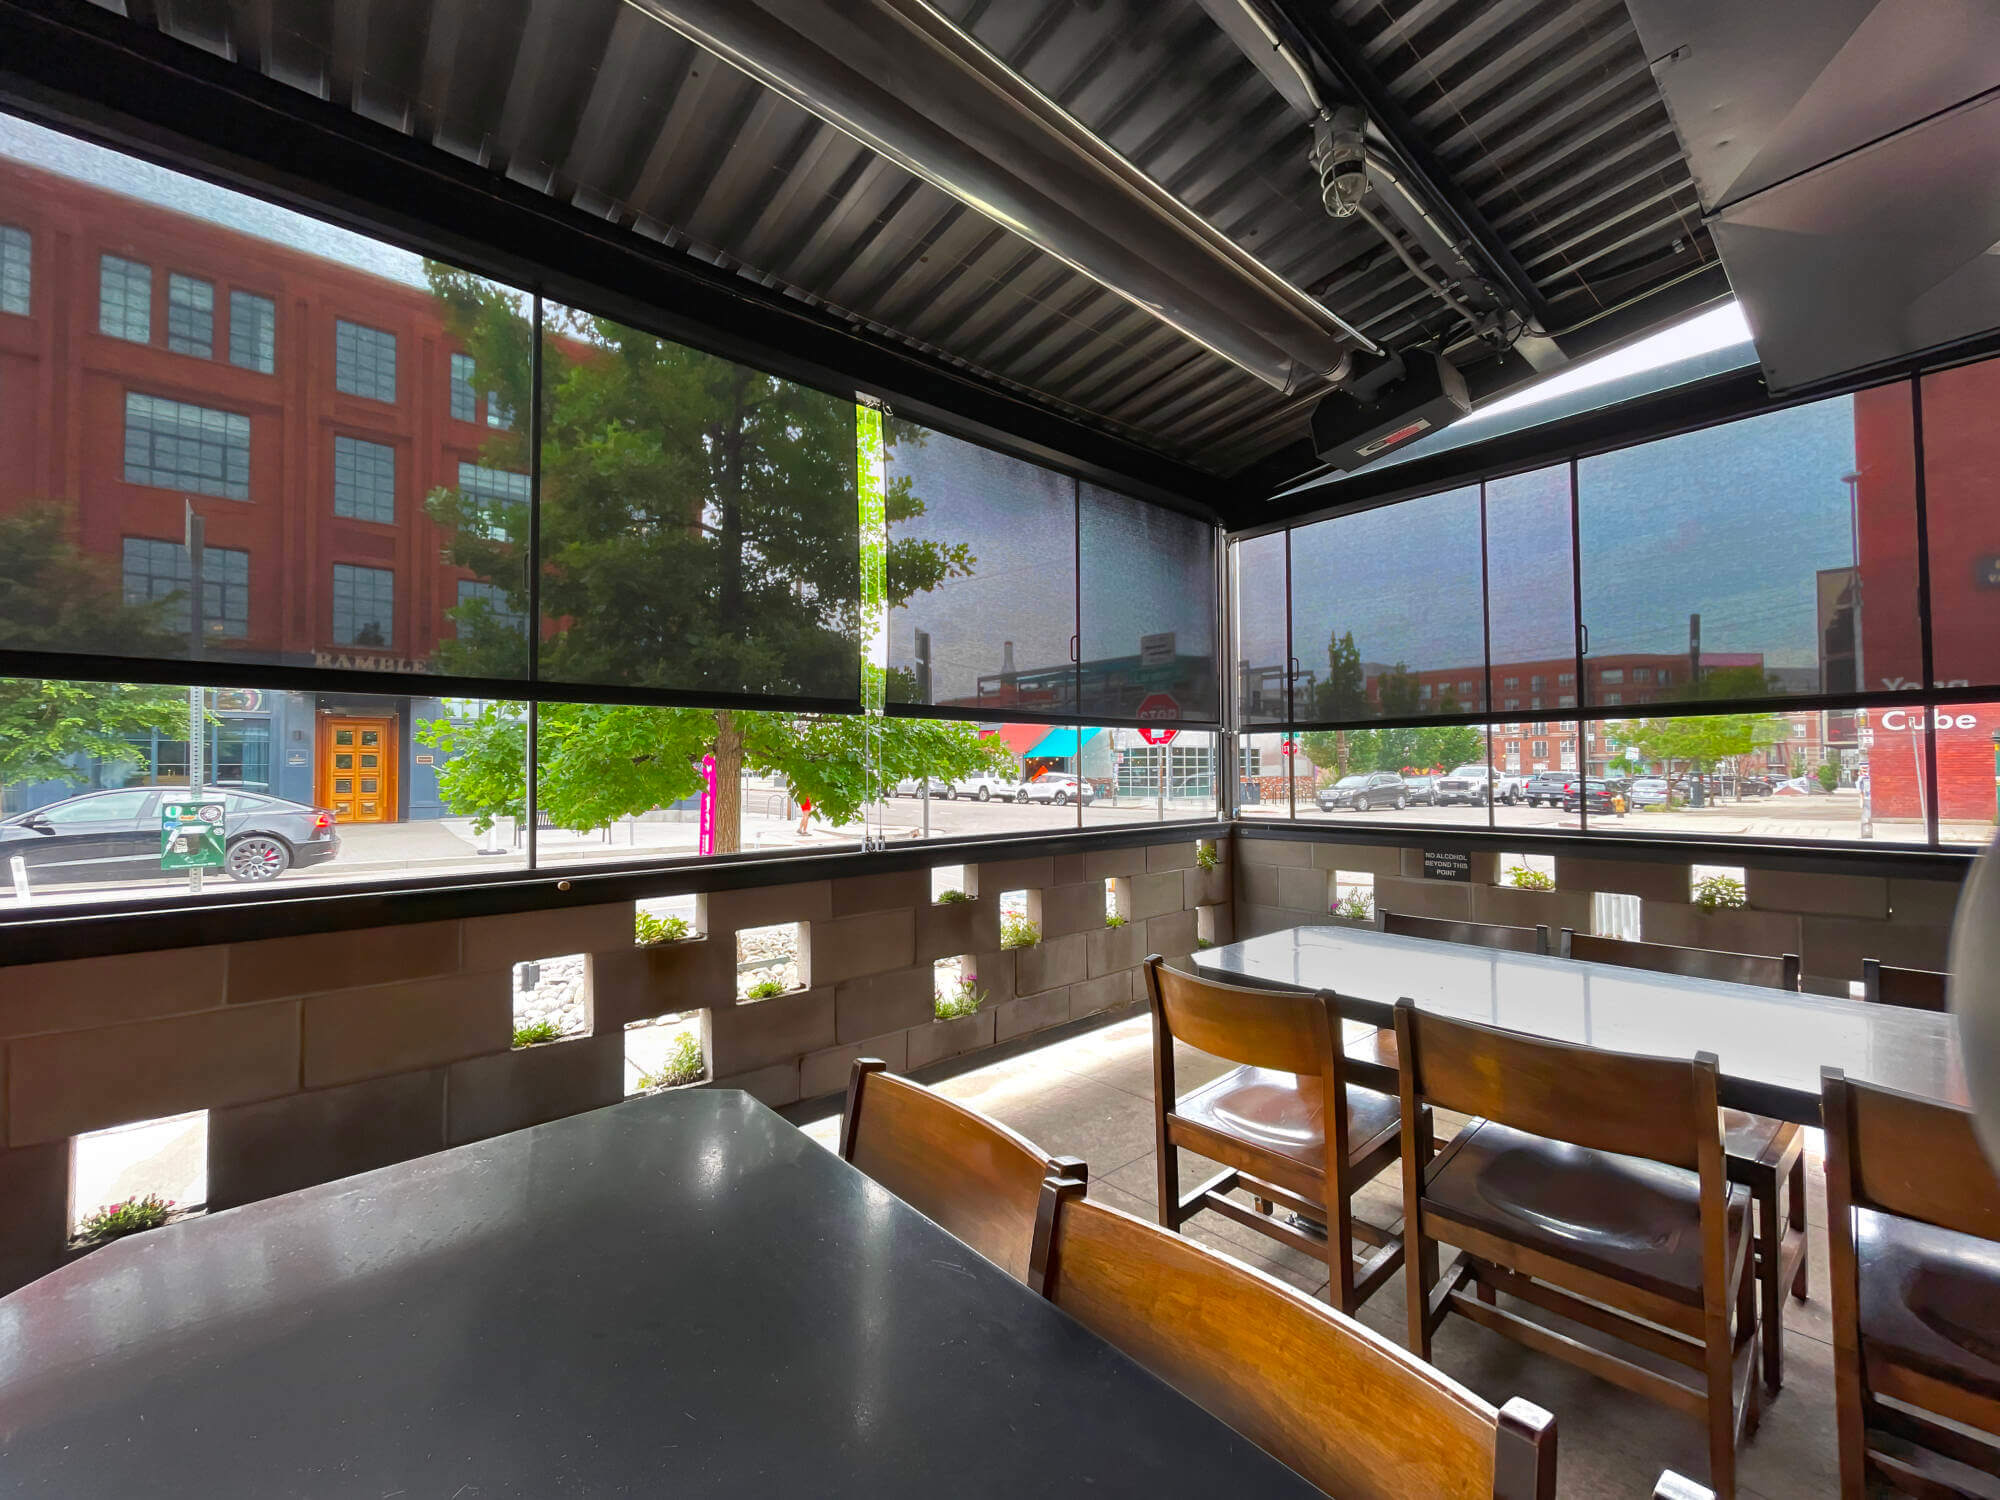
115 835
1595 796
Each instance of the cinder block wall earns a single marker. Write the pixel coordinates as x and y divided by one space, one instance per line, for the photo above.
325 1054
1831 921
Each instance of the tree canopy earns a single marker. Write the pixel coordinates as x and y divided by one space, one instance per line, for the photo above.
699 532
1701 742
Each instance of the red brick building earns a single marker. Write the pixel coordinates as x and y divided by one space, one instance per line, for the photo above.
151 360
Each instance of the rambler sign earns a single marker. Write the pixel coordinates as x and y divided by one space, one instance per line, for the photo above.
346 662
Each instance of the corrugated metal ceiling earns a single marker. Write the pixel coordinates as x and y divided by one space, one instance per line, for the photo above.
1543 110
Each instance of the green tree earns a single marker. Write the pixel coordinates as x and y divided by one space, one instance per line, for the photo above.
1446 746
686 506
1396 688
1699 743
1338 750
55 596
1344 693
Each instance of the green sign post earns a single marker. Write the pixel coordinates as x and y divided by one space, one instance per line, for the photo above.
191 836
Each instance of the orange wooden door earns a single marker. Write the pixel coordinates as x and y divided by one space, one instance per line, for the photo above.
357 769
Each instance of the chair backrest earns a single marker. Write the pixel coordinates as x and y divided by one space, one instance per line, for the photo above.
1288 1031
1913 989
1653 1107
1902 1155
971 1175
1353 1413
1479 934
1779 973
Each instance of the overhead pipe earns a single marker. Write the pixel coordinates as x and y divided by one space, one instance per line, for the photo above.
907 83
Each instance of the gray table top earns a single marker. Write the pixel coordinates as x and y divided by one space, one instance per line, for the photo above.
1770 1043
679 1295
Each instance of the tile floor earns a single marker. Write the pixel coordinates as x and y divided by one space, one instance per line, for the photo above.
1092 1096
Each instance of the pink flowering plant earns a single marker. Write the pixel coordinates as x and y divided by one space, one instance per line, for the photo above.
962 999
129 1217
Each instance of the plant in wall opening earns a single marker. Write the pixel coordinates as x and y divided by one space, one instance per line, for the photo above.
1202 942
764 989
1112 919
537 1032
952 898
1719 893
1018 931
1205 856
1356 906
962 999
117 1219
648 929
1526 879
682 1065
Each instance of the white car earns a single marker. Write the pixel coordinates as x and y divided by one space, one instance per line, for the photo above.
986 785
1649 791
1056 787
913 786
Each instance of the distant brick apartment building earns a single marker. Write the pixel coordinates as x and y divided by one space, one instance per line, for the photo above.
151 360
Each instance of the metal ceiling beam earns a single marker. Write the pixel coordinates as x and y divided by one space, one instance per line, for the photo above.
1336 51
903 80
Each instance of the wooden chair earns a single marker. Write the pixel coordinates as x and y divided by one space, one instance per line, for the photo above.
1766 1156
971 1175
1590 1186
1478 934
1316 1390
1913 989
1912 1220
1285 1124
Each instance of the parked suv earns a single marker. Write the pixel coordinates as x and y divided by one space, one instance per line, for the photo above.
1596 795
1476 784
1546 786
1057 787
985 786
1361 792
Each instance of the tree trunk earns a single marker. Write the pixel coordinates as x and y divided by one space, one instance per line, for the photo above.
728 783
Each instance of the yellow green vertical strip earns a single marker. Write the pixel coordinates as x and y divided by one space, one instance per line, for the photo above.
870 463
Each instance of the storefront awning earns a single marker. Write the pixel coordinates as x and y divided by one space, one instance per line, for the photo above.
1061 744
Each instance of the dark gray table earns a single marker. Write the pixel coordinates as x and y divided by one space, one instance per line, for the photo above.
679 1295
1770 1044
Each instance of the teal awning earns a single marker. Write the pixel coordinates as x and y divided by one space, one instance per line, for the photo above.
1061 744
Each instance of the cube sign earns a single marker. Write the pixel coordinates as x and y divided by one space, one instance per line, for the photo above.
191 836
1164 710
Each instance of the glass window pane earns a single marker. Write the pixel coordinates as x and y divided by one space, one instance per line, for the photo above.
1262 646
1724 563
1147 579
364 361
17 265
305 827
982 576
1967 738
1264 769
364 606
948 778
1961 471
253 332
464 399
256 456
1531 604
191 316
124 299
1388 612
1137 782
364 480
700 519
1430 775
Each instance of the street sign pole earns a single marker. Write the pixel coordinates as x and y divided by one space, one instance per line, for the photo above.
197 709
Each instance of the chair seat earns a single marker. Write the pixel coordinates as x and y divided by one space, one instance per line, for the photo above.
1759 1141
1285 1114
1928 1297
1634 1220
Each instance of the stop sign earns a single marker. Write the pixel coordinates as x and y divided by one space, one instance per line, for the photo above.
1157 707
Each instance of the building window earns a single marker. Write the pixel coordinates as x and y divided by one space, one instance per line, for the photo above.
1642 675
17 269
498 412
364 606
156 569
125 299
1614 697
364 361
1424 692
1536 684
1566 679
1666 677
495 493
191 316
181 447
494 597
1511 683
1541 749
1512 703
1253 762
464 399
1611 674
253 332
364 480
